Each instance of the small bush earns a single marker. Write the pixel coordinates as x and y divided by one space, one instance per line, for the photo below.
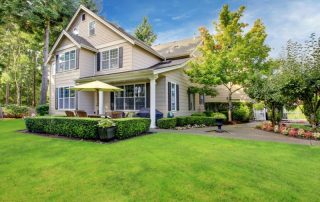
198 114
241 114
195 120
167 123
218 115
42 109
130 127
85 128
15 111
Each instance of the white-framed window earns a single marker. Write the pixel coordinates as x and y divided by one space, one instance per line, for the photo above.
66 98
133 97
173 97
201 99
191 101
110 59
67 61
53 68
92 28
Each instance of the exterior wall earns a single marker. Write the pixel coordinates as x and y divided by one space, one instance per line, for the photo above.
178 77
161 94
127 59
143 59
87 63
223 94
103 34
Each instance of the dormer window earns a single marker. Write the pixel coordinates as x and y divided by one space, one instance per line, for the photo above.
92 28
83 17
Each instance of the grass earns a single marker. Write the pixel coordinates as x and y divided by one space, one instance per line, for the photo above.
161 167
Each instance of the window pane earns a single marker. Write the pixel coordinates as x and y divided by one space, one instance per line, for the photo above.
129 103
139 90
119 103
66 92
114 63
61 103
61 62
60 92
105 55
72 64
72 103
72 93
120 93
67 56
129 90
114 60
66 103
105 64
72 55
140 103
66 65
114 53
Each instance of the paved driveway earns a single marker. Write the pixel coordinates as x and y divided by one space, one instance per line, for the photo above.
243 131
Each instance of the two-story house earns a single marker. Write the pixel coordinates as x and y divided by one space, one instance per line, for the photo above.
91 48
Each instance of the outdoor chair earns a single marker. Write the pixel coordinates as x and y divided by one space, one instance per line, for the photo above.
117 114
70 113
81 113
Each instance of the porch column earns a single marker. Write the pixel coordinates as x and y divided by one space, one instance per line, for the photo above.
101 102
153 101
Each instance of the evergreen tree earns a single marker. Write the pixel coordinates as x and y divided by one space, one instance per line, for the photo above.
145 33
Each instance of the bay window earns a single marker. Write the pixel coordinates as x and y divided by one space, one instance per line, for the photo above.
110 59
66 98
133 97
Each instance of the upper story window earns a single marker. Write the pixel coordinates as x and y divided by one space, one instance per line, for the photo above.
110 59
92 28
83 17
67 61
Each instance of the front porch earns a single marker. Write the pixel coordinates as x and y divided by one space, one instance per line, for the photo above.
139 92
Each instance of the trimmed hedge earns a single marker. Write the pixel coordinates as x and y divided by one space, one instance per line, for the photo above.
86 128
130 127
167 123
198 114
195 120
42 109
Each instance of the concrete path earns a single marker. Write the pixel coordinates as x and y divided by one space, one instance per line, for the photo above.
243 131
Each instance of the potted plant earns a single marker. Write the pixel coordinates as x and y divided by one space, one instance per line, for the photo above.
107 129
220 118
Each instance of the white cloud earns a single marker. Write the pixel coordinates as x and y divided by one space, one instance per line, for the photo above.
179 17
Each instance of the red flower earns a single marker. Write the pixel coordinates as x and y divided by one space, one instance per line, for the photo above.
293 132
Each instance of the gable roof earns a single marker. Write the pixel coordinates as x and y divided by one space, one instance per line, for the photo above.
79 41
178 49
133 40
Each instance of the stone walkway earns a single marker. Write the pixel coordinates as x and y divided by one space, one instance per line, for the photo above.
243 131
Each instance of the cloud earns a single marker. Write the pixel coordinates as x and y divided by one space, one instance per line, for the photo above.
180 17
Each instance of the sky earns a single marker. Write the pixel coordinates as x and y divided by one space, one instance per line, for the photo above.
178 19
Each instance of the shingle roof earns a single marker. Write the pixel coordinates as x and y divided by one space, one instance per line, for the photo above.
169 63
80 40
176 49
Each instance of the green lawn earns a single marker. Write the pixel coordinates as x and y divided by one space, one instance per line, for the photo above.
157 167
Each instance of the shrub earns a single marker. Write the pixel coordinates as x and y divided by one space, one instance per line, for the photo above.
130 127
309 135
106 123
219 116
167 123
15 111
85 128
242 113
195 120
42 109
293 132
198 114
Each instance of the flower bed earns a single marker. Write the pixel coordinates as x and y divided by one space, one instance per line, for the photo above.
289 130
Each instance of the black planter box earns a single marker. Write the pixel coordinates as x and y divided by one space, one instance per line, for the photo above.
107 133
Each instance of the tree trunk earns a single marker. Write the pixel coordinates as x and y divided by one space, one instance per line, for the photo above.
18 93
44 80
273 115
230 107
34 87
7 92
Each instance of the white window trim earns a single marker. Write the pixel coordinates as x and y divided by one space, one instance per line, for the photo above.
63 109
75 60
134 98
94 28
109 49
175 100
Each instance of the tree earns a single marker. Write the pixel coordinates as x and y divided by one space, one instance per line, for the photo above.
231 55
145 33
299 77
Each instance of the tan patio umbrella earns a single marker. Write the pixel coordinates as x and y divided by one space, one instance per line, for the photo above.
96 86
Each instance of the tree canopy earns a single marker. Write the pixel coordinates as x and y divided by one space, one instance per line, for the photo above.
231 55
145 33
